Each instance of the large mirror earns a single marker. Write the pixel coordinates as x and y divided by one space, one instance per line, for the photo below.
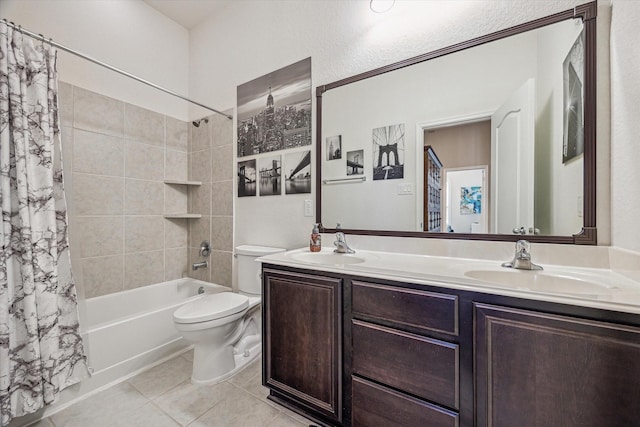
489 139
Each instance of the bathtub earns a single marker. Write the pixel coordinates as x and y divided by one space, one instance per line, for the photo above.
125 333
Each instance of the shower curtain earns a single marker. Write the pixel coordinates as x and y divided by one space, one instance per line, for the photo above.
41 350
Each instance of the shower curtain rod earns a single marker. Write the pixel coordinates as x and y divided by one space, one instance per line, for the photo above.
110 67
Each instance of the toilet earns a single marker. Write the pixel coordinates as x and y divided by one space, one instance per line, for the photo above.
225 328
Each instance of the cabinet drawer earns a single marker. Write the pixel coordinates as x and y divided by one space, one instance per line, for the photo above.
418 309
425 367
375 405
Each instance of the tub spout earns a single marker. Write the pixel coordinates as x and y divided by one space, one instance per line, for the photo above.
197 265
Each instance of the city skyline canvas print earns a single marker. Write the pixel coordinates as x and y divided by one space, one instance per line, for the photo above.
274 111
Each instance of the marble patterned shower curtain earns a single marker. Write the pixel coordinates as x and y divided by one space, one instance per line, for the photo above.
41 350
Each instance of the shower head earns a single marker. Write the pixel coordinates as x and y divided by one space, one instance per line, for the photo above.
196 123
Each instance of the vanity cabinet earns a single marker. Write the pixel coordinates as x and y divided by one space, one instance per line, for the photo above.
400 377
549 370
302 342
356 351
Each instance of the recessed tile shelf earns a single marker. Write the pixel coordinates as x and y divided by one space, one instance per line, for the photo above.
182 215
178 182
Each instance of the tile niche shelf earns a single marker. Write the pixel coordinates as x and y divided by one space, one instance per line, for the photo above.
182 215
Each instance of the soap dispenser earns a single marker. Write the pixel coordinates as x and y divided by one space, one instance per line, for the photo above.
315 243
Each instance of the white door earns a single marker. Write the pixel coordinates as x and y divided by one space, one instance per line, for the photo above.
512 155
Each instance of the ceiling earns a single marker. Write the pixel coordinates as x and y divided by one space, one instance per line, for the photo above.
188 13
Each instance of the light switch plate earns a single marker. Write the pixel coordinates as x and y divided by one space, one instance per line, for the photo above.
405 188
308 207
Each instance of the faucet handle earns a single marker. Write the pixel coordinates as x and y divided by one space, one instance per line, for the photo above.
522 246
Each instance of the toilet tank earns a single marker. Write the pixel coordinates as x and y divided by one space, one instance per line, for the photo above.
249 281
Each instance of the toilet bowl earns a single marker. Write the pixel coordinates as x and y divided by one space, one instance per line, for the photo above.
225 327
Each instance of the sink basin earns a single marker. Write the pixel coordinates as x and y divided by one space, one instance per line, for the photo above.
327 258
540 281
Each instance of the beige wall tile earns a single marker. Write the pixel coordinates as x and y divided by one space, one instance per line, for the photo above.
143 233
222 163
200 166
144 161
176 263
221 268
143 197
176 134
222 233
98 153
199 230
97 113
99 235
175 199
200 199
98 195
143 268
200 136
176 233
176 165
143 125
221 130
66 136
222 198
201 273
102 275
65 103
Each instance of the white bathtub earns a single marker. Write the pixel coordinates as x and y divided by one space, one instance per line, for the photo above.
125 333
135 328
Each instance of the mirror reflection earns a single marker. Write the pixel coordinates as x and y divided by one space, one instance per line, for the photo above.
485 140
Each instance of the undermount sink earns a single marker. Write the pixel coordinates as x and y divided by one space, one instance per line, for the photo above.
329 258
540 281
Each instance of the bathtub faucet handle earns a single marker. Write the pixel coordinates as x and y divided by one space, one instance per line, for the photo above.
205 249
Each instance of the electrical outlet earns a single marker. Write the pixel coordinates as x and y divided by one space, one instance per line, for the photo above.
308 207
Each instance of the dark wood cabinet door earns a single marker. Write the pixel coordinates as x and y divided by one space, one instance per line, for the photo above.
302 340
536 369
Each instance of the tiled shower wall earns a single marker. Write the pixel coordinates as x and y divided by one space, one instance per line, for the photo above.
116 157
211 161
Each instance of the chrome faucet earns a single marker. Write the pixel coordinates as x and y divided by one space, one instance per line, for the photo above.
197 265
522 258
341 243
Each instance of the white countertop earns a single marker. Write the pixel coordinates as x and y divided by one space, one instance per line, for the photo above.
588 287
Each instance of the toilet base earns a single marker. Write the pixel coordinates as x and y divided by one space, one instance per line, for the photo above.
248 354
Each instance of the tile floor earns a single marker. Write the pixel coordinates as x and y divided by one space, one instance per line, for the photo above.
164 397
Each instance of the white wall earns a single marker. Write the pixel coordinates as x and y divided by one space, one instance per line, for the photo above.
129 35
251 38
559 186
625 125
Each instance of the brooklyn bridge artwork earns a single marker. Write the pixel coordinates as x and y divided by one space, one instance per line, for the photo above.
274 111
388 152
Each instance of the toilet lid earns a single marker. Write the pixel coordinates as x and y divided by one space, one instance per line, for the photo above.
210 307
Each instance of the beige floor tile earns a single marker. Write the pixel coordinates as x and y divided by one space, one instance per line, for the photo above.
188 355
147 416
188 401
100 409
255 387
283 420
238 409
296 417
42 423
243 378
161 378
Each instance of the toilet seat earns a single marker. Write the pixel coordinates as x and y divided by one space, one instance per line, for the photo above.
211 307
